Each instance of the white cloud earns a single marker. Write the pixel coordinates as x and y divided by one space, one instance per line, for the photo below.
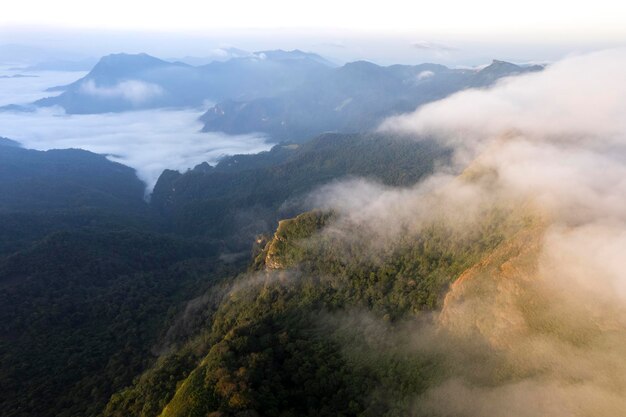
149 141
27 90
135 91
558 135
579 98
425 74
538 325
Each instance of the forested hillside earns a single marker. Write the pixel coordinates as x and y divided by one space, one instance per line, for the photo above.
303 331
356 97
247 194
87 280
374 304
95 283
33 180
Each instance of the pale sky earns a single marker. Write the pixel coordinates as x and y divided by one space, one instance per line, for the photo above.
451 32
524 19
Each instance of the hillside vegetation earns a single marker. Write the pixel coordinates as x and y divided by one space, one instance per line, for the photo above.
280 342
244 196
96 283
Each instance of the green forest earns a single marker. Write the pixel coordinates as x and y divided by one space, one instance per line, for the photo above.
200 302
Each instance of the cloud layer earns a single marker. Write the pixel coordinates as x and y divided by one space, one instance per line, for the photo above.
539 326
135 91
579 98
149 141
27 90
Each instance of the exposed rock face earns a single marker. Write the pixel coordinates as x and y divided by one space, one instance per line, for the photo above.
528 340
501 277
273 249
288 245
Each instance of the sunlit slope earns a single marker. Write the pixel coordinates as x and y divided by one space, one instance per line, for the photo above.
276 347
530 338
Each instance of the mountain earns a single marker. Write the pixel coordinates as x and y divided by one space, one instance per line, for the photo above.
98 288
226 54
296 54
289 95
354 97
498 69
316 327
245 195
332 312
33 180
9 142
218 54
265 287
121 82
87 280
58 190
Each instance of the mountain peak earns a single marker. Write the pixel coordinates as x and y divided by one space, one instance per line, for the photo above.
9 142
111 68
499 69
294 54
497 65
363 69
142 59
361 66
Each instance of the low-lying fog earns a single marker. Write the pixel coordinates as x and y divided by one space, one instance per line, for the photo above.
149 140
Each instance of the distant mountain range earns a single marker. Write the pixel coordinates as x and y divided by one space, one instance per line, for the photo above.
352 98
9 142
218 54
122 82
289 95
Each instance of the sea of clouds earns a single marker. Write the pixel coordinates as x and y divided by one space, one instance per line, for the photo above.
148 140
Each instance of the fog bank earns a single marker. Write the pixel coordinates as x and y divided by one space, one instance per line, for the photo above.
538 326
148 141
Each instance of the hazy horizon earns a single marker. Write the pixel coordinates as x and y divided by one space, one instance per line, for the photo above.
338 46
447 32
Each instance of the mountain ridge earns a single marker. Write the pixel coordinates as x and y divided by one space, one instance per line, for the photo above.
355 97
